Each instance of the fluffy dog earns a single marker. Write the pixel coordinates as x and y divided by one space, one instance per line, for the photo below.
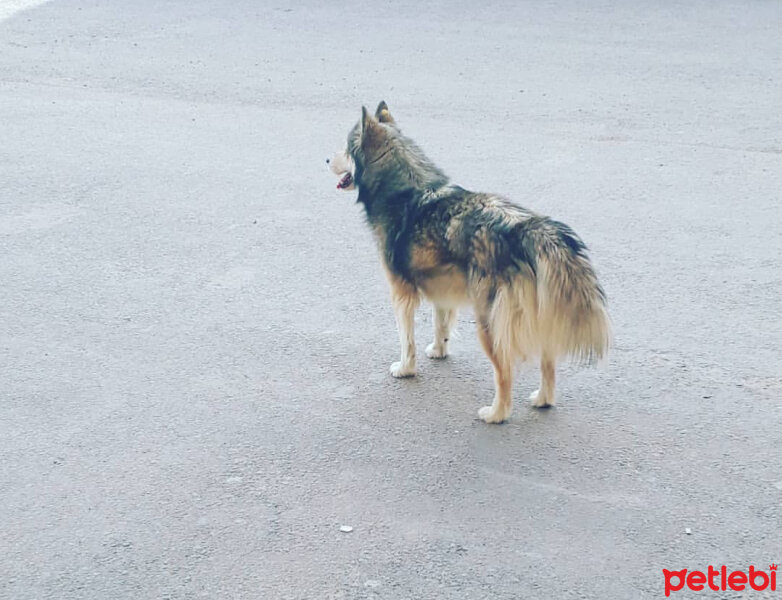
527 277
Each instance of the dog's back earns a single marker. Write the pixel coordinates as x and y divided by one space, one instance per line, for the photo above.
527 275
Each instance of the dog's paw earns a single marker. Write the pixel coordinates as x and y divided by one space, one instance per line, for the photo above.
397 370
540 401
490 415
436 351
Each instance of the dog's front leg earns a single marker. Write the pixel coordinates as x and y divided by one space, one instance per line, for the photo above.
405 300
444 319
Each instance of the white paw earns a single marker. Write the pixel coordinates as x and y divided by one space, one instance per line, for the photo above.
540 401
435 351
490 415
397 370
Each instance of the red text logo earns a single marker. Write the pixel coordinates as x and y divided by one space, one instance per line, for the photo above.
719 579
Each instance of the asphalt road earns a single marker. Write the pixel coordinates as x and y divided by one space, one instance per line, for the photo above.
195 332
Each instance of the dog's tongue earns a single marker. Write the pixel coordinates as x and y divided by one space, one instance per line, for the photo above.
345 181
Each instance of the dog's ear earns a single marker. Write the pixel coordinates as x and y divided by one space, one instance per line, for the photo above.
373 135
382 113
366 120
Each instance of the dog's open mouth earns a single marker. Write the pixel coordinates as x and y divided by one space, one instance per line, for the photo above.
345 182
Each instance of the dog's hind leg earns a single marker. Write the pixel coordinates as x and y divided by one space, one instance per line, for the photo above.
443 323
503 379
544 396
405 300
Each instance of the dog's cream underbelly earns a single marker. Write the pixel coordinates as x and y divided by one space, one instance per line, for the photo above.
446 288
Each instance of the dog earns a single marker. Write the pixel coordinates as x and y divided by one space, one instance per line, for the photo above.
528 278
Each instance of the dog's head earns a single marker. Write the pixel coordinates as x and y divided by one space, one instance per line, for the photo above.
370 140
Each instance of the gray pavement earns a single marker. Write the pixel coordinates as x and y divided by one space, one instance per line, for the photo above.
195 333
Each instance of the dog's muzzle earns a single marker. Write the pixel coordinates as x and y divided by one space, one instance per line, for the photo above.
343 166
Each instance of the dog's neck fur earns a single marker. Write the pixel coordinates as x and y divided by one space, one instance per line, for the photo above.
408 176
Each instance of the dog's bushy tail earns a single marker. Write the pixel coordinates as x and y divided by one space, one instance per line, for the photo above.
556 308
